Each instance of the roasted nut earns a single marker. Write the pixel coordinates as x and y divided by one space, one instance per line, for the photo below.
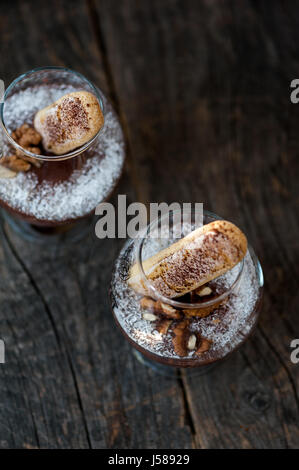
201 312
30 137
6 173
26 135
191 344
167 310
163 326
35 150
149 317
22 129
14 136
34 161
204 346
180 339
19 153
203 291
198 312
16 164
147 304
17 133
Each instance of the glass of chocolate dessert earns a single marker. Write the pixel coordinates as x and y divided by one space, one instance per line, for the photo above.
187 298
62 153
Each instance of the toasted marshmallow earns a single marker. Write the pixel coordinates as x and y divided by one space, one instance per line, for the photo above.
69 122
201 256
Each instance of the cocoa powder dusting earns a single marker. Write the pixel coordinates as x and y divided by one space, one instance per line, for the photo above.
204 256
70 115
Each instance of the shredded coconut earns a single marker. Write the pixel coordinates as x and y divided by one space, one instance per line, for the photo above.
86 187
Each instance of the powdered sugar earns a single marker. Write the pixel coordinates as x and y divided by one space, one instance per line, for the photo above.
86 188
226 326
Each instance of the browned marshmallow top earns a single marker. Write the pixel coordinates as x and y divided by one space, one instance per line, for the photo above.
203 255
69 122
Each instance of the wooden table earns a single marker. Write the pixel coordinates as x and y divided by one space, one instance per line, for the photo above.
203 92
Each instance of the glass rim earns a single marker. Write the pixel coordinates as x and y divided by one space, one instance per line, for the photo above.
158 296
98 93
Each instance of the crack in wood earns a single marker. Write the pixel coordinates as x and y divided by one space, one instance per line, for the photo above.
187 409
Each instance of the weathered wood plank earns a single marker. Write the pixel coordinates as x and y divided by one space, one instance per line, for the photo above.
116 403
203 91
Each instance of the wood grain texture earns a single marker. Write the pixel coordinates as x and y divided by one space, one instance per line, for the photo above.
202 89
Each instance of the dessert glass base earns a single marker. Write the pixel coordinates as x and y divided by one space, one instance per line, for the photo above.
228 325
173 372
69 233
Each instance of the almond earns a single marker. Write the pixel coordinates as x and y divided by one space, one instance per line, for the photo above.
203 291
6 173
149 317
199 312
167 310
191 345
